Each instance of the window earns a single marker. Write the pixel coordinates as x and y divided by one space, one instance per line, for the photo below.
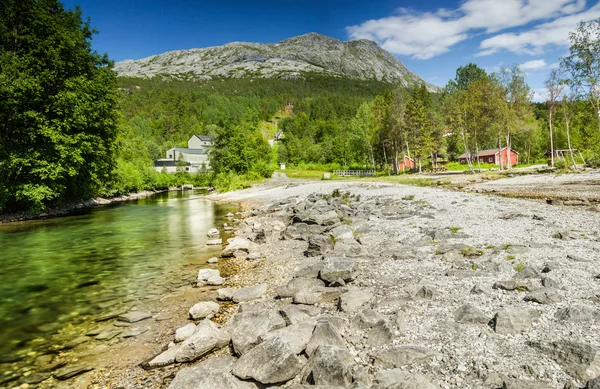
187 169
490 159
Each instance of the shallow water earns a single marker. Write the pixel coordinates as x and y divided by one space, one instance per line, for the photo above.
60 273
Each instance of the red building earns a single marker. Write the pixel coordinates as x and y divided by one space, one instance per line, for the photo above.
407 164
493 156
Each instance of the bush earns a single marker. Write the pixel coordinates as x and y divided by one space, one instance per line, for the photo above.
560 163
593 162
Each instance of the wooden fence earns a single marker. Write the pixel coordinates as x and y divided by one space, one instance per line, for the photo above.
342 173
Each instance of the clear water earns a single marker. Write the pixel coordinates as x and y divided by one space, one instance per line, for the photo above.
64 272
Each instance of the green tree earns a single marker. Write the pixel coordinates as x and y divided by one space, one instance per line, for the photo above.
419 123
58 107
464 76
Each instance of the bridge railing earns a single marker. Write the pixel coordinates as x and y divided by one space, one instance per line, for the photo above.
343 173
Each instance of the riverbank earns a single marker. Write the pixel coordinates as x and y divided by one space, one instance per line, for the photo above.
379 284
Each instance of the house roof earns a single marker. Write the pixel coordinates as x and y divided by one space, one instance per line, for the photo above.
190 151
487 153
205 138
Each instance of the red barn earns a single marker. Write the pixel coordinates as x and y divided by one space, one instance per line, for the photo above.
493 156
408 163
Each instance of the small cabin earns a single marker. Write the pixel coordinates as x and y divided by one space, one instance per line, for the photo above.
193 159
406 164
492 156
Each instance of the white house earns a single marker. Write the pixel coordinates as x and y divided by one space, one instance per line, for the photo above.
195 156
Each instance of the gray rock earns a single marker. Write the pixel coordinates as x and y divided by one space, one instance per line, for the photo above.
380 334
514 284
133 332
213 260
298 284
527 272
209 277
203 310
309 270
353 299
236 244
319 295
246 328
319 245
543 296
402 356
593 384
214 373
254 256
478 289
577 314
580 360
298 314
348 247
426 292
165 358
270 362
327 218
296 336
338 267
182 333
208 337
213 233
329 365
71 371
214 242
470 314
525 384
108 335
367 318
324 334
399 379
342 232
134 316
514 320
249 293
577 258
225 294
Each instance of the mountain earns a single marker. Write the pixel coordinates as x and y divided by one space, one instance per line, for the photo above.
290 58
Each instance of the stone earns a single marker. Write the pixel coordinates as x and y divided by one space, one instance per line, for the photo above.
380 334
133 332
514 284
298 284
254 256
134 316
236 244
593 384
399 379
478 289
270 362
577 258
471 315
249 293
71 371
527 272
327 218
309 270
338 267
209 277
225 294
297 314
214 373
367 318
353 299
319 295
35 378
577 314
240 254
525 384
213 260
329 365
324 334
203 310
580 360
296 336
207 337
182 333
513 320
426 292
108 335
348 247
247 327
213 233
543 296
402 356
319 245
165 358
76 342
214 242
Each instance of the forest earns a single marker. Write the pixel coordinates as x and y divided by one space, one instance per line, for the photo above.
71 129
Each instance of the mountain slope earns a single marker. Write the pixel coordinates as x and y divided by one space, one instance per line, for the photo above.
290 58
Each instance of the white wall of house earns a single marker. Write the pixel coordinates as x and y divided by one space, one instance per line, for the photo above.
197 143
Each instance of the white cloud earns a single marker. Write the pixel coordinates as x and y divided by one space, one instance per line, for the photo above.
426 35
540 94
534 41
533 65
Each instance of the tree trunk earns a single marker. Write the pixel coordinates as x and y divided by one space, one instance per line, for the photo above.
477 156
508 161
569 135
500 150
551 141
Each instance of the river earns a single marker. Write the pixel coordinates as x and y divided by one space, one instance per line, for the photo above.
59 275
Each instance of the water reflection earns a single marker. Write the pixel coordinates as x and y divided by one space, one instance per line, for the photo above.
68 270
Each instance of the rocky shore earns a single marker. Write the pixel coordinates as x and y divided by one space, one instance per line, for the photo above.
381 286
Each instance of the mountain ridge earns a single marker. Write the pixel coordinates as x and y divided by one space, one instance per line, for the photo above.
293 57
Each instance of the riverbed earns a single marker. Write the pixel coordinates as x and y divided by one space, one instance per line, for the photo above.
60 277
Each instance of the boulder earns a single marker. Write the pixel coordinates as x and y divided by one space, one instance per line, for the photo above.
182 333
203 310
348 247
335 268
525 384
319 245
225 294
577 314
298 284
543 296
326 218
402 356
399 379
236 244
214 242
270 362
71 371
207 337
209 277
514 284
296 336
354 299
329 365
471 315
580 360
214 373
324 334
318 295
134 316
213 233
249 293
246 328
514 320
165 358
213 260
527 272
297 314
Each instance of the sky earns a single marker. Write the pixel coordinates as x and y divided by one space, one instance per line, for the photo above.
431 37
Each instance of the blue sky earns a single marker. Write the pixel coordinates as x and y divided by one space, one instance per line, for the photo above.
432 38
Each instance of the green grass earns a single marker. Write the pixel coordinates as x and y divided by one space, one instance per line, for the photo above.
302 173
454 230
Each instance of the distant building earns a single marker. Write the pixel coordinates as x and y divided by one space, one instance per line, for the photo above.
492 156
193 158
407 164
